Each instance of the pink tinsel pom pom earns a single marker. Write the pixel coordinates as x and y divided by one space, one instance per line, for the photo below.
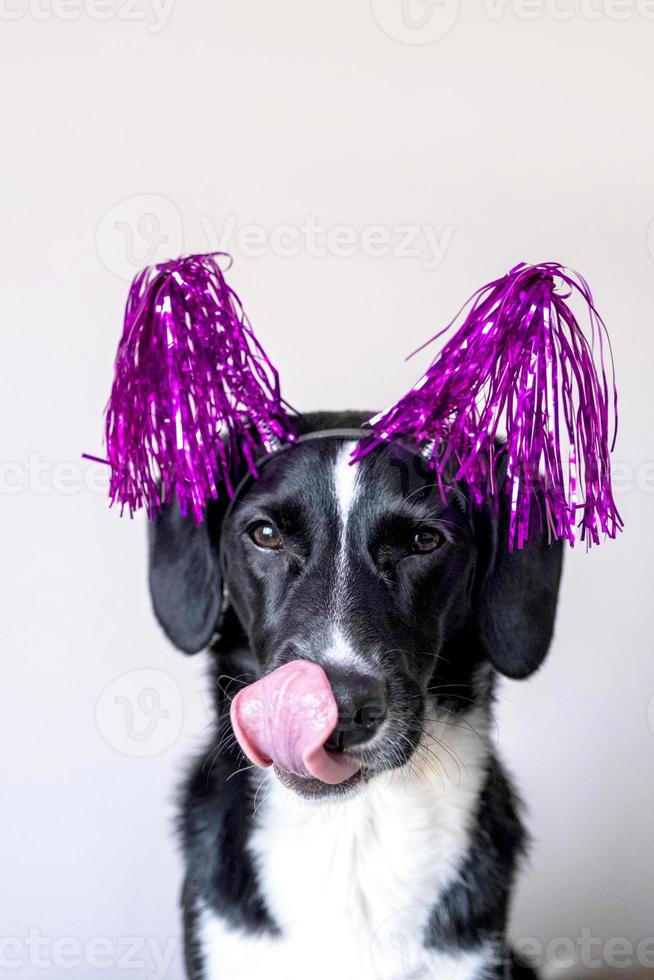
193 390
520 362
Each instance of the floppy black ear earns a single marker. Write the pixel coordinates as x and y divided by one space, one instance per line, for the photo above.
185 579
517 596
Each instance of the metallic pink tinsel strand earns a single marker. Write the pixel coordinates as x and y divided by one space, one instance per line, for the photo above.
193 390
520 362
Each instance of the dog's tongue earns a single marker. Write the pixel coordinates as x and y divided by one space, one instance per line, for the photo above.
286 717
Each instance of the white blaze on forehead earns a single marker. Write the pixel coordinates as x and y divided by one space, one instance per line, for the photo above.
346 487
346 483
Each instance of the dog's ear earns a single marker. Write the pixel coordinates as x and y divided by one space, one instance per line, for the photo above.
184 575
516 595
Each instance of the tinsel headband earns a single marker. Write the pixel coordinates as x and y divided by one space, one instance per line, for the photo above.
194 393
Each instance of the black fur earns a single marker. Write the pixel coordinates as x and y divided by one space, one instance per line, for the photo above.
426 624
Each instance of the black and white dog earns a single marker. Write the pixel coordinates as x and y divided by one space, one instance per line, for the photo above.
409 603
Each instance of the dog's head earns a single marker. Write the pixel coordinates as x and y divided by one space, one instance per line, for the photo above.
400 597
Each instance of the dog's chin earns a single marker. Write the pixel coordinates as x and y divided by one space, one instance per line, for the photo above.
314 789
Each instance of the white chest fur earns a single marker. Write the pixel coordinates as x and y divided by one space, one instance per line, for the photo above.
351 883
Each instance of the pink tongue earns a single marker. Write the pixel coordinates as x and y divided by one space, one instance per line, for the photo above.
286 718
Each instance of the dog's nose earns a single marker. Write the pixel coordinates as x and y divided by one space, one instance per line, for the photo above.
361 700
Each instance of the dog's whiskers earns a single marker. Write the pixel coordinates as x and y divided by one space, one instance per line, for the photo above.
257 806
458 762
238 771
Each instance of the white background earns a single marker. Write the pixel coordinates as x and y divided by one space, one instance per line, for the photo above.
134 133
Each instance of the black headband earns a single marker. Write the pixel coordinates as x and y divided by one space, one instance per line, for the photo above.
345 435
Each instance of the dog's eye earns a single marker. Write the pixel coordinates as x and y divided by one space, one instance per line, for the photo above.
266 535
427 540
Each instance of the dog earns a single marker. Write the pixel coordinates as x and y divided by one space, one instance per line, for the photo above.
412 603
